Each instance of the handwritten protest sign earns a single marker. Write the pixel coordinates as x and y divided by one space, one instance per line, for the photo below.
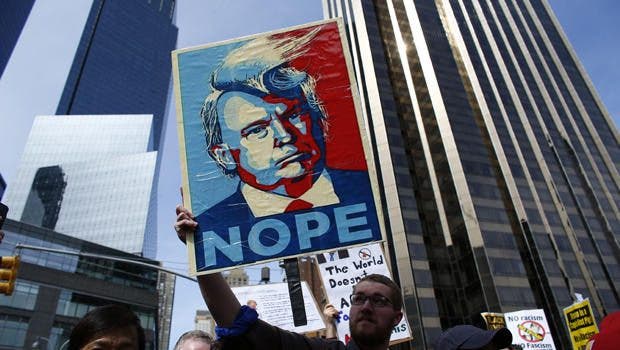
494 320
530 329
581 323
341 270
273 305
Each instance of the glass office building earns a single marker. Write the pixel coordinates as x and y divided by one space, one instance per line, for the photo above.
13 16
91 177
122 63
54 290
498 160
116 61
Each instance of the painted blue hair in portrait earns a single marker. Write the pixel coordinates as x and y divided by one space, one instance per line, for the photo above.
275 159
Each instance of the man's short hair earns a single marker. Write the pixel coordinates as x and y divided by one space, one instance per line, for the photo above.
101 320
195 334
261 67
396 296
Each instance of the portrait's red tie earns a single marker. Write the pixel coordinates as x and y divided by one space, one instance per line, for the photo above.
298 204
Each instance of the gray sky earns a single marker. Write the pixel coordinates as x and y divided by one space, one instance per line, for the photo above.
591 26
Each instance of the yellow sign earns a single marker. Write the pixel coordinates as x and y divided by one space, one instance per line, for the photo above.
494 320
581 323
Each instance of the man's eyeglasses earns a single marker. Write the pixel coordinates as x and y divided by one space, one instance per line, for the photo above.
375 300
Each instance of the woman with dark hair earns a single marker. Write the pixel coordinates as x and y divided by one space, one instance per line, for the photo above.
110 327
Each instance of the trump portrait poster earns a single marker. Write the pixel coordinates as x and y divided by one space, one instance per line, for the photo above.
276 161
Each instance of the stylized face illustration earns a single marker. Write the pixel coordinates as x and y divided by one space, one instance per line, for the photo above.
273 141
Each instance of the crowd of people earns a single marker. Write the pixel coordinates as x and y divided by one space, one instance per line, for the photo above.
376 307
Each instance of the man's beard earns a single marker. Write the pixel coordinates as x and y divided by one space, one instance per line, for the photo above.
370 339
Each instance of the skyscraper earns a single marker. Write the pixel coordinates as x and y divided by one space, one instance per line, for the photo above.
498 159
122 63
91 177
2 186
13 15
120 69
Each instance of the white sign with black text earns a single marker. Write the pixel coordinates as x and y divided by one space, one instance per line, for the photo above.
529 329
274 306
341 270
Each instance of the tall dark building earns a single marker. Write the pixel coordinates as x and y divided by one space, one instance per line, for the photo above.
122 63
13 16
2 186
498 160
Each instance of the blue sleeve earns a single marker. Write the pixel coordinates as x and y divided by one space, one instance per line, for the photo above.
244 319
248 332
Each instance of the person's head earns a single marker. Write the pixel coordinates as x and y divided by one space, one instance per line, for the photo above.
263 121
194 340
376 305
609 334
108 327
252 303
473 338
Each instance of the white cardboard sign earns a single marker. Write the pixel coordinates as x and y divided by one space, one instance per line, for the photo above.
341 270
529 329
274 306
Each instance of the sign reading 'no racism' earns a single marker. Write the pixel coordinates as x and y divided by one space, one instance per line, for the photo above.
529 329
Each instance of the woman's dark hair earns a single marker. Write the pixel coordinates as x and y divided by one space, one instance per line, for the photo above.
102 320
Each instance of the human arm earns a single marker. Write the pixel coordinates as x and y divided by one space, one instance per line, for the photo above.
225 308
216 292
331 315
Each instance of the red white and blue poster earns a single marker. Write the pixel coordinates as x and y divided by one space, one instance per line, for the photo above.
276 161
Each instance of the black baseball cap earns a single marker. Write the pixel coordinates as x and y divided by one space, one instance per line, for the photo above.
470 337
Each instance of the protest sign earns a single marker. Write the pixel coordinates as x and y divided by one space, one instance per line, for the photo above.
273 305
494 320
341 270
264 174
529 329
581 323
